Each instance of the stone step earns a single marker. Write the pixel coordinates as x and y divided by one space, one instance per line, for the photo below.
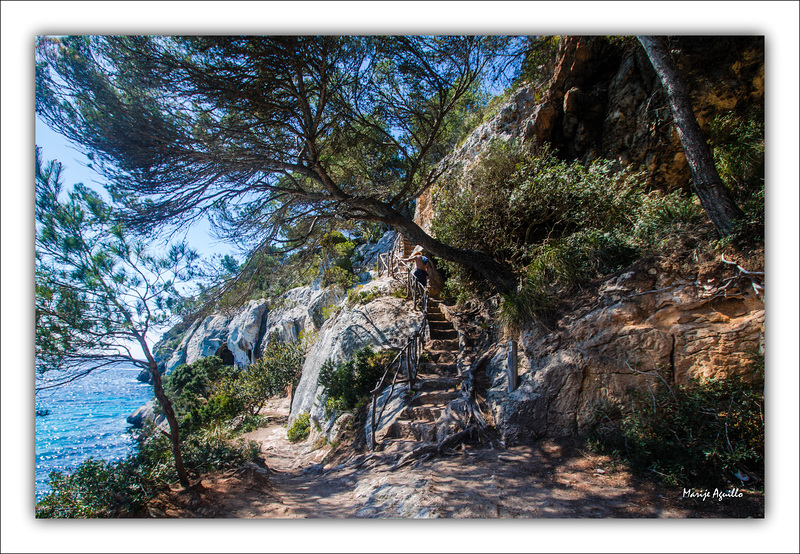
437 383
434 398
442 334
433 368
406 429
421 413
450 344
442 356
440 324
436 316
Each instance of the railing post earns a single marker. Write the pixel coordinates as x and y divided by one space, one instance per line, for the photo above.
373 442
511 365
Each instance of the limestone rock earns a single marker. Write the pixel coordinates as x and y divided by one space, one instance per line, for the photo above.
369 252
298 310
385 322
595 358
146 413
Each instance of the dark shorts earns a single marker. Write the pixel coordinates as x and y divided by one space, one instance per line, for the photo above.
422 276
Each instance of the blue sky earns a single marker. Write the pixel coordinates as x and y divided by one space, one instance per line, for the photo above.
76 170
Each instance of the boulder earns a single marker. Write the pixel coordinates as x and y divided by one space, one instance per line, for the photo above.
146 413
385 322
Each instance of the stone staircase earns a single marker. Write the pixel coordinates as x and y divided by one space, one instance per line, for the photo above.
437 384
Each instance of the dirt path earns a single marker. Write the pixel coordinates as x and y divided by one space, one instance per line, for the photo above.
550 479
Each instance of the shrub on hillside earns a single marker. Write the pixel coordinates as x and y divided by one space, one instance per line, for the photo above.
557 224
96 489
300 429
338 276
190 386
708 434
270 375
101 489
347 384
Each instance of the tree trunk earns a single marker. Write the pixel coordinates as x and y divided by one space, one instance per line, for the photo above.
714 197
169 412
498 274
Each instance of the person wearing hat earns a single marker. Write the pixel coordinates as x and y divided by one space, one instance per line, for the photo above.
420 265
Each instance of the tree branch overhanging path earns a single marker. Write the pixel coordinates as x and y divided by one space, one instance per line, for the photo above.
273 135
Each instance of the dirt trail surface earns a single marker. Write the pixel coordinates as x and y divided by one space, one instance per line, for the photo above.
550 479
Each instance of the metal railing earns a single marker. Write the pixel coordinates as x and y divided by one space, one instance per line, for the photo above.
390 263
407 359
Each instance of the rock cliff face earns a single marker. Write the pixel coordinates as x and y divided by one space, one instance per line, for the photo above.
240 336
689 328
605 101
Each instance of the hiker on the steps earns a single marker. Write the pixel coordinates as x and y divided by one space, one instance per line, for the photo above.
420 265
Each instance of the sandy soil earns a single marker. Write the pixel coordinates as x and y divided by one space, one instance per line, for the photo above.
547 480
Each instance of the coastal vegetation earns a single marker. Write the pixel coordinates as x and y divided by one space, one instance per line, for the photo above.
692 436
306 148
214 405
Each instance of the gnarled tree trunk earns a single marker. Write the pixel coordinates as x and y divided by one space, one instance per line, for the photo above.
714 197
169 413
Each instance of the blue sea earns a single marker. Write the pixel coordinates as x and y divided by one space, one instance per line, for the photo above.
86 419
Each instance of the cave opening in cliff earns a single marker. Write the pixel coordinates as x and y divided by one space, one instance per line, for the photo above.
226 355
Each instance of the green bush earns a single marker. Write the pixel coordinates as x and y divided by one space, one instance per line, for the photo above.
211 449
557 224
270 375
96 489
355 297
191 387
338 276
701 434
347 384
300 429
206 392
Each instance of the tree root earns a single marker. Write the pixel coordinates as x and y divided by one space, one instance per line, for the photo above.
427 451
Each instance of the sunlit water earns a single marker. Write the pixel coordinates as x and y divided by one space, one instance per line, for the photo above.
87 419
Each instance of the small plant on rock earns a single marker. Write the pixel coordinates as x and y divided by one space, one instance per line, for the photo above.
300 429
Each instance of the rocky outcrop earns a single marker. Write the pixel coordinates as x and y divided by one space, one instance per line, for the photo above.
240 336
605 101
688 329
299 310
147 413
385 322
